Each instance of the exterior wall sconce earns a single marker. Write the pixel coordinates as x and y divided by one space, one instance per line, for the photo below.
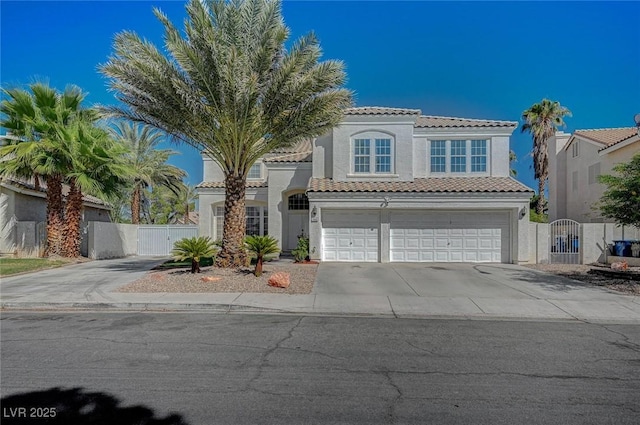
385 202
523 212
314 213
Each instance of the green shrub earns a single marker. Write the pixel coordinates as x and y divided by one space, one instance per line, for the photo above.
261 246
301 252
194 249
538 218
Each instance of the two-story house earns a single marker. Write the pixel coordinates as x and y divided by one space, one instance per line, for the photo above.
386 185
575 162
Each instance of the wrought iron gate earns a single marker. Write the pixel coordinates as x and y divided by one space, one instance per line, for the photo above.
564 242
159 240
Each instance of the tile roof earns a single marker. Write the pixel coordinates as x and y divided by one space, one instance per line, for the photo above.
220 185
300 152
378 110
43 188
607 136
423 185
428 121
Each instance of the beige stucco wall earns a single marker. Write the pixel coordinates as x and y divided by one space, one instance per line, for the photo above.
581 200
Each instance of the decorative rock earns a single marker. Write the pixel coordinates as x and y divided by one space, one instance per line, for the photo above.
210 279
279 280
622 265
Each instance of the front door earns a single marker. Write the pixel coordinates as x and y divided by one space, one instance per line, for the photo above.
298 225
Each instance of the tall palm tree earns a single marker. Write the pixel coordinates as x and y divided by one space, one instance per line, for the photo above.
97 168
148 165
230 88
541 120
32 116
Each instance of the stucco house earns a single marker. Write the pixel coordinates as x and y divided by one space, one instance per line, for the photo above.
387 184
575 162
23 215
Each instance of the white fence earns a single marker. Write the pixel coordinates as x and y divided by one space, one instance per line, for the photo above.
159 240
594 240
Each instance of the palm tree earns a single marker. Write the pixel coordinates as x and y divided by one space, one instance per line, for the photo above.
33 117
147 163
194 249
97 168
231 89
261 246
185 199
512 158
541 120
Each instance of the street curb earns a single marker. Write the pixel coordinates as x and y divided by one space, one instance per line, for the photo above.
133 307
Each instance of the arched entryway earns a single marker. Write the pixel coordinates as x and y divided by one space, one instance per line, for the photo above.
297 222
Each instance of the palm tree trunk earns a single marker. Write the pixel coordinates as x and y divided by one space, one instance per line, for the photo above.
73 216
540 204
258 271
135 205
55 215
233 253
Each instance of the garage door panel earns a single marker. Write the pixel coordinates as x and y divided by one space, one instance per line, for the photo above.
450 236
350 236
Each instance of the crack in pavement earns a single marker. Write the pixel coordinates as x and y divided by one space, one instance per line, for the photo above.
391 408
267 353
626 343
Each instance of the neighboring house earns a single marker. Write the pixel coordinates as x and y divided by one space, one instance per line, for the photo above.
193 218
387 184
23 216
575 162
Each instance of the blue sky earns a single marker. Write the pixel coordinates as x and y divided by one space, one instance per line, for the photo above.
465 59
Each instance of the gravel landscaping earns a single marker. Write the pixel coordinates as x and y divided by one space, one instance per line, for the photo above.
302 277
580 272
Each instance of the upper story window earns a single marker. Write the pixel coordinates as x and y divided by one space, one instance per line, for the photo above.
478 156
255 172
458 156
438 156
373 155
575 149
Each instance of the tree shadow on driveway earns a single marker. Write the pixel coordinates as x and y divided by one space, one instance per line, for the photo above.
77 406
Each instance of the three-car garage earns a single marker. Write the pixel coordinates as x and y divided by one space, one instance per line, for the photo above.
416 235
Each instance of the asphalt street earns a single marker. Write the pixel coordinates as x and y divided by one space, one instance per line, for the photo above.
175 368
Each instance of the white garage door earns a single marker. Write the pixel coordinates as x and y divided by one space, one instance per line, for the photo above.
448 236
350 235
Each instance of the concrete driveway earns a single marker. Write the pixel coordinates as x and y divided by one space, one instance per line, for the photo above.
78 283
450 280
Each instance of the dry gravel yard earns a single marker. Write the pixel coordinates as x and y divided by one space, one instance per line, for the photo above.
302 277
579 272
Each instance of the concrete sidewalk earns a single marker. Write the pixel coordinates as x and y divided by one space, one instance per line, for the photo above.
47 290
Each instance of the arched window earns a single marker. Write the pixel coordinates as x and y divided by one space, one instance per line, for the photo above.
298 202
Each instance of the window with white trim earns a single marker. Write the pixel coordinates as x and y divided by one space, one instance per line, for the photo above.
438 156
255 172
256 221
361 155
374 155
458 156
478 156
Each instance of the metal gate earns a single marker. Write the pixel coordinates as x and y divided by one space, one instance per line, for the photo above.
564 242
159 240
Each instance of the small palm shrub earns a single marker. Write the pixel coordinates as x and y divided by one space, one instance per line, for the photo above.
261 246
194 249
301 252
